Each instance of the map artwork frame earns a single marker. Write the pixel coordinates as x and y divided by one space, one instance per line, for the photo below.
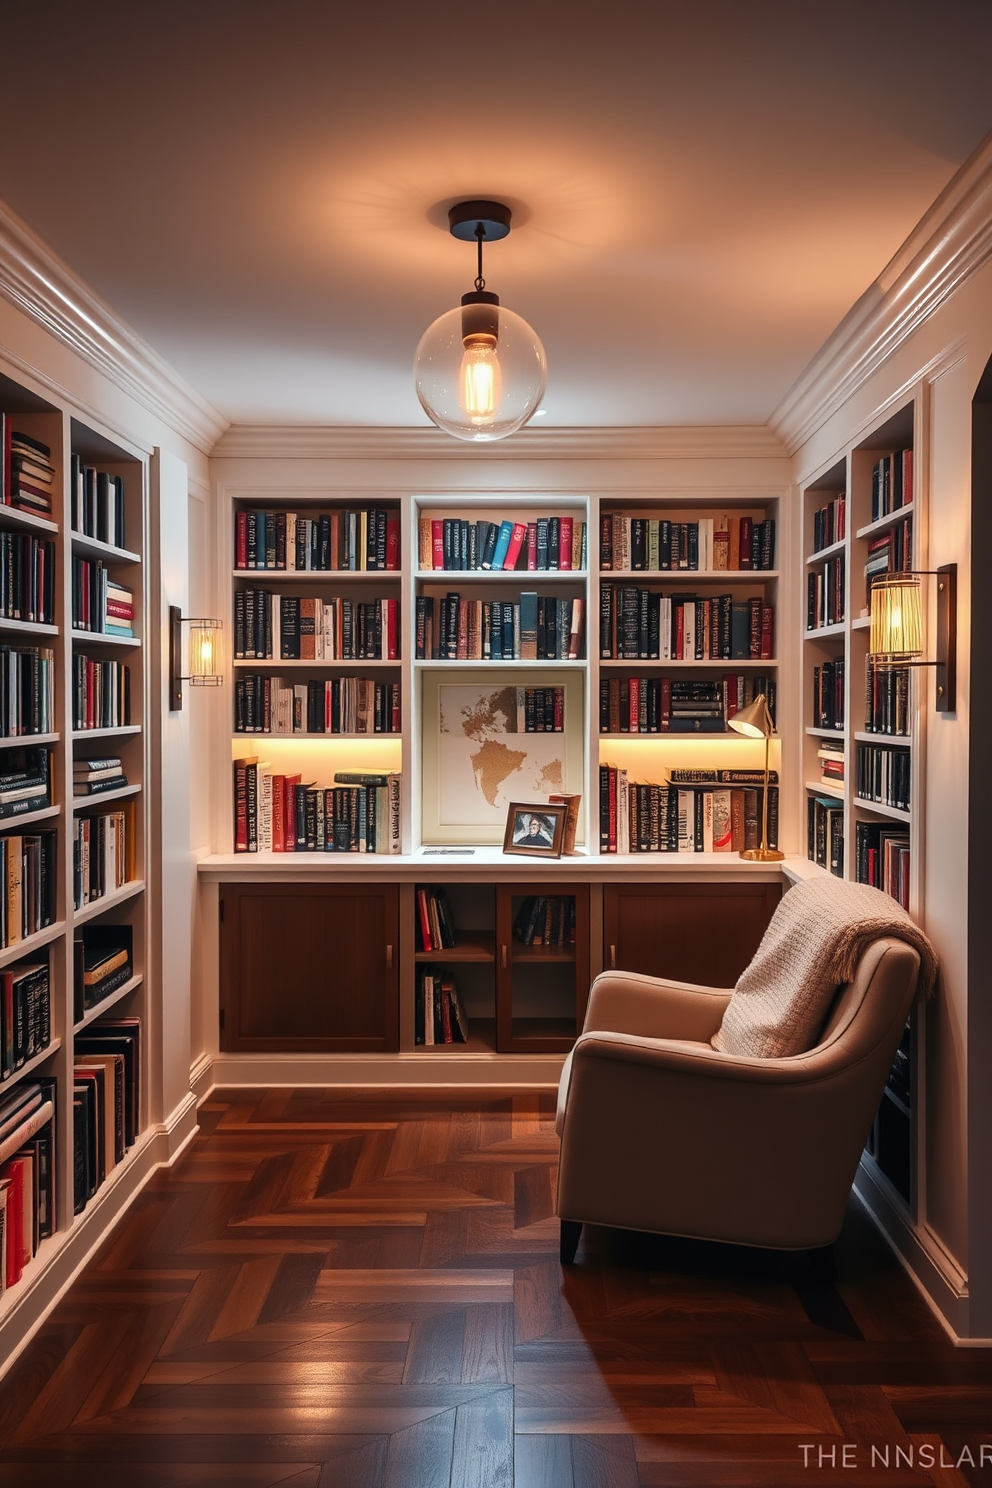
491 737
535 829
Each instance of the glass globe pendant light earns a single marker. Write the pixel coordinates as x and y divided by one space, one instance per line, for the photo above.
479 370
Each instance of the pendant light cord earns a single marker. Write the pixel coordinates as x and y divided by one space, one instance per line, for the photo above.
480 233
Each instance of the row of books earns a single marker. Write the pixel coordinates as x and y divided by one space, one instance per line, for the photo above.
882 858
438 1012
27 1175
28 880
830 523
24 782
360 813
363 540
825 833
27 691
545 919
106 1102
636 623
96 503
537 628
101 693
683 816
890 552
825 594
100 603
27 578
102 854
631 544
883 775
678 705
25 1014
538 545
891 483
435 927
828 694
103 962
887 700
27 475
335 705
93 777
288 627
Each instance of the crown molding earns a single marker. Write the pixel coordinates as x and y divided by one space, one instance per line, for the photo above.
330 442
38 283
950 244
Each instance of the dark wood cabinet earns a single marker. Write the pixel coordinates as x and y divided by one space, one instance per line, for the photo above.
690 932
309 968
541 988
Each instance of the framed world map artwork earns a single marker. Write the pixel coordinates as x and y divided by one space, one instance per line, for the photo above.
488 741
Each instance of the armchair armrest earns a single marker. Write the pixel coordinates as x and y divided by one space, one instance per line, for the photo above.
653 1007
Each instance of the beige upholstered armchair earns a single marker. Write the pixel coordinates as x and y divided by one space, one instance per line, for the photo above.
661 1131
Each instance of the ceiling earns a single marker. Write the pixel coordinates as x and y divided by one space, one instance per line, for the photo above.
701 190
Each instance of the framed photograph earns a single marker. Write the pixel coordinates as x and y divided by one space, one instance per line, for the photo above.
534 829
488 740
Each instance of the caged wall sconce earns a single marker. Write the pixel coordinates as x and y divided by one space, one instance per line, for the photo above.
203 655
897 637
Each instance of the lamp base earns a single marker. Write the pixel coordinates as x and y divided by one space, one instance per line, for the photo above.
761 854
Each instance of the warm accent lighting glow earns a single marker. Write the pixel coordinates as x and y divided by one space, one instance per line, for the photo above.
480 380
896 619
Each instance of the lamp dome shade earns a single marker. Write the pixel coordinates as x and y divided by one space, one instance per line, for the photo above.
480 382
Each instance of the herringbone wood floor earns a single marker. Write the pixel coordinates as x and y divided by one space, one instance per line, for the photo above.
365 1293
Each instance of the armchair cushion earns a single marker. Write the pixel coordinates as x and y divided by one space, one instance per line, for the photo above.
813 944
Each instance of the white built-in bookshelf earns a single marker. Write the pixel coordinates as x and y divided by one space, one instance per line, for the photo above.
74 863
862 772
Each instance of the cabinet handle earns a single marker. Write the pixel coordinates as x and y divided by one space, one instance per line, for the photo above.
613 958
503 956
389 958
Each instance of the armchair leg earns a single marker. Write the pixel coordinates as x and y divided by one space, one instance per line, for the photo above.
571 1229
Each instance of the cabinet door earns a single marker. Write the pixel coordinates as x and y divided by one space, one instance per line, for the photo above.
541 987
704 933
309 968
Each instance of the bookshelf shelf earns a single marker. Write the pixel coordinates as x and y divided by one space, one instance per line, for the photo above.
736 665
81 803
11 517
11 823
102 1008
825 733
323 665
525 578
683 576
32 943
92 547
826 788
882 524
118 732
471 948
825 632
263 576
869 738
28 627
436 665
97 907
100 638
30 1065
878 809
861 622
27 741
832 551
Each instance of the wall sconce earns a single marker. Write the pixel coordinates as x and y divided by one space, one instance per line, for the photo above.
897 628
204 655
755 722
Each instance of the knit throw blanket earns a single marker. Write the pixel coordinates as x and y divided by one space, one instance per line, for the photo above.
813 944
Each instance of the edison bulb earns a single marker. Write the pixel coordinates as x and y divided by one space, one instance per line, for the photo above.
479 387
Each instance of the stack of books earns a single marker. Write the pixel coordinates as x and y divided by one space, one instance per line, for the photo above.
24 784
105 1102
27 1175
102 962
28 473
118 616
831 757
93 777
